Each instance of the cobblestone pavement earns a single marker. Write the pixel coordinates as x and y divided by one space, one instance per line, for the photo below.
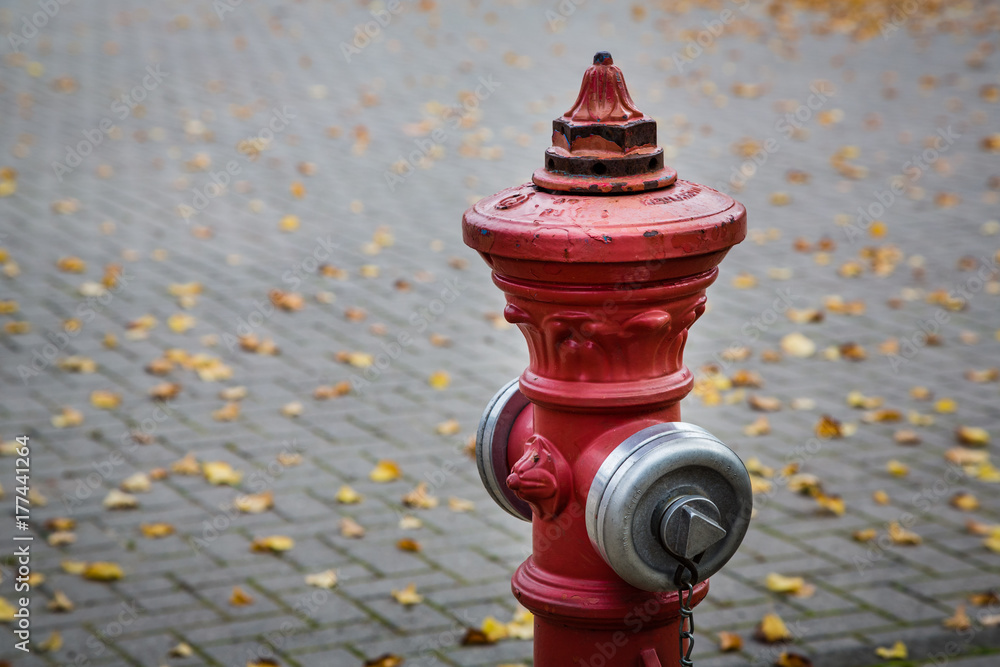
359 152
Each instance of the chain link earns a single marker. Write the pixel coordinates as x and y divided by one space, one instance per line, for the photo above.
686 626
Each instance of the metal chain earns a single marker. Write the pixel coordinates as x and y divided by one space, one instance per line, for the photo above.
687 613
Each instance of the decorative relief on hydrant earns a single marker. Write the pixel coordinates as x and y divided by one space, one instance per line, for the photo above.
604 259
541 477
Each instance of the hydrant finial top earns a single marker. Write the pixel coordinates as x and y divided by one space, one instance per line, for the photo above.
604 144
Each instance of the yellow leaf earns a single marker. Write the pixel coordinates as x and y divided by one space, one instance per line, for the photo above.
772 629
881 497
755 467
828 427
798 345
136 483
60 603
220 472
78 364
103 571
240 598
460 504
351 528
385 471
52 643
865 535
325 579
760 485
7 611
450 427
255 503
897 468
730 641
973 436
901 536
408 596
964 501
896 652
119 500
348 496
993 541
386 660
156 530
409 522
522 626
227 413
439 379
186 466
105 400
180 322
420 498
787 659
292 409
493 629
73 566
777 583
833 504
71 265
184 289
289 223
945 405
69 417
273 543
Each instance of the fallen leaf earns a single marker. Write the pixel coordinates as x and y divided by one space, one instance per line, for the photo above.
325 579
103 571
351 528
896 652
729 641
385 660
119 500
7 611
832 504
69 417
902 536
772 630
897 468
764 403
828 427
408 544
181 650
985 599
964 501
233 393
78 364
410 522
180 322
966 457
73 566
293 409
798 345
105 400
797 586
420 498
52 643
450 427
906 437
240 598
227 413
254 503
324 392
272 543
156 530
220 472
760 426
385 471
60 603
186 466
788 659
439 380
408 596
165 391
865 535
945 405
348 496
136 483
881 497
973 436
460 504
959 620
60 523
476 637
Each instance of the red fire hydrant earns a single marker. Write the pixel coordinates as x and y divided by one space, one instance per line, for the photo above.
604 259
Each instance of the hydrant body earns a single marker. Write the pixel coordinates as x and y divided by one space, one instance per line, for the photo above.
604 260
